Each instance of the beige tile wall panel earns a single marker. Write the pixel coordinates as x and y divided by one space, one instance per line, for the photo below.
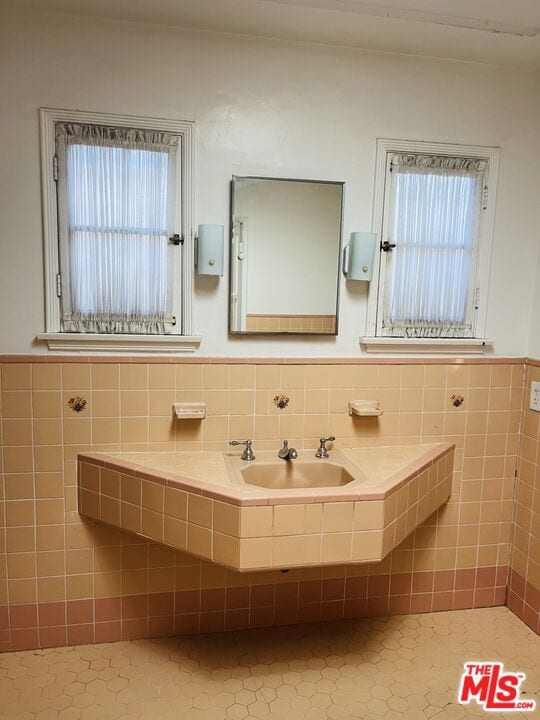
524 581
457 558
306 324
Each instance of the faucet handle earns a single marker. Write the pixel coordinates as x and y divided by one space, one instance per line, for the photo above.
322 452
248 453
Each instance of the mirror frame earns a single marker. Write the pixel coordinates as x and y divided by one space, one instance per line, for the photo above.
237 333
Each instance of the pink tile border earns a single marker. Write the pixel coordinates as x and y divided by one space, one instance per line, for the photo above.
523 599
250 606
52 614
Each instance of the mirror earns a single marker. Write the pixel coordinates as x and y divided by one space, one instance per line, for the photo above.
285 250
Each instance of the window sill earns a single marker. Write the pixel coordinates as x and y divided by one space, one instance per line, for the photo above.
453 346
102 343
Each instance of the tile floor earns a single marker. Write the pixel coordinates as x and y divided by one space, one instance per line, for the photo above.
399 667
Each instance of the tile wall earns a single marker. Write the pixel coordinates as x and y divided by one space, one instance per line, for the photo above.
524 581
66 580
291 323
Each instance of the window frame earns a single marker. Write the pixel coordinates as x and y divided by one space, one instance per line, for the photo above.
373 340
185 340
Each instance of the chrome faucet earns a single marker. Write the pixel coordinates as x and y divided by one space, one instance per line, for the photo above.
287 453
248 453
322 452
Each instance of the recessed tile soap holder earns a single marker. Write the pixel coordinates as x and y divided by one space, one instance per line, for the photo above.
189 411
365 408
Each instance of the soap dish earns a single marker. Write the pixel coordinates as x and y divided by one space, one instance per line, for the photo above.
365 408
189 410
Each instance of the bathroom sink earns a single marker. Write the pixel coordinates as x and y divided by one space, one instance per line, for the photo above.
300 474
376 496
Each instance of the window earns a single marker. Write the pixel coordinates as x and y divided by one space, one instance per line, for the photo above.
117 196
435 232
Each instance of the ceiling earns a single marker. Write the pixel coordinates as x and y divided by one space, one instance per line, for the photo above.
500 32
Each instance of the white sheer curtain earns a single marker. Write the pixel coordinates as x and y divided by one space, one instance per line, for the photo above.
434 224
118 186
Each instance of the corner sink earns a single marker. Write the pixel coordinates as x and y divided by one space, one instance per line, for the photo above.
364 502
296 474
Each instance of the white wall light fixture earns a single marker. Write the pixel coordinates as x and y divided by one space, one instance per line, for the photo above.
209 254
359 255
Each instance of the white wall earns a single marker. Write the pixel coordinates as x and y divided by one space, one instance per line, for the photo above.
293 246
262 108
534 332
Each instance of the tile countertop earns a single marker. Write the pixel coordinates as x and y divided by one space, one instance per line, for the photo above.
378 471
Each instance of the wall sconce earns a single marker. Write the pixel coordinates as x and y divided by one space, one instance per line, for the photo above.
359 255
209 253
